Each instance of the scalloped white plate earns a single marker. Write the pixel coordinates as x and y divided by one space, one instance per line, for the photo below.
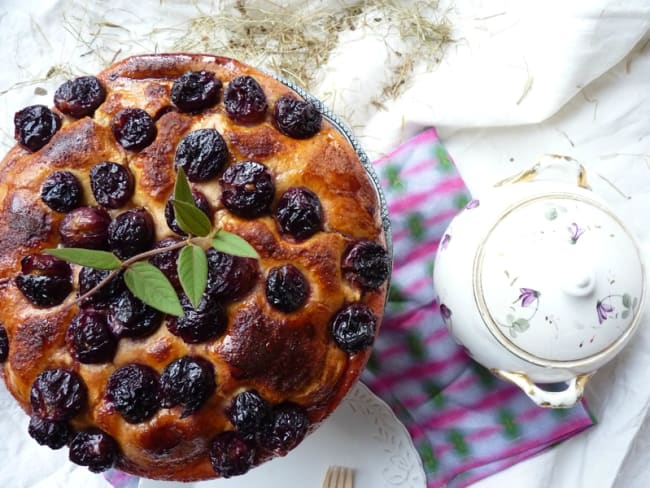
363 433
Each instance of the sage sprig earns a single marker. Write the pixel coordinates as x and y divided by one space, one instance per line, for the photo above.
151 286
193 272
145 280
190 219
233 244
87 257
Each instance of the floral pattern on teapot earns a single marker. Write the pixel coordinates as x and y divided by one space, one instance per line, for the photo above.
529 298
575 231
559 288
517 324
607 310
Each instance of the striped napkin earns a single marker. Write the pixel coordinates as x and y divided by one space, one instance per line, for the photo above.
465 423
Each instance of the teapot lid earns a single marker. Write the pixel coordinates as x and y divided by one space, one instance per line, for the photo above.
558 278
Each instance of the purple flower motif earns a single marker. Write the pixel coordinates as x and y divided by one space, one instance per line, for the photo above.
575 232
445 241
445 312
527 296
603 309
472 204
446 317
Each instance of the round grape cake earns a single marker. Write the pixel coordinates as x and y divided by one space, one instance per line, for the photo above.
274 343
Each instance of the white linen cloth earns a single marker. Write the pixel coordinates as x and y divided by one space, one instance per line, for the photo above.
521 79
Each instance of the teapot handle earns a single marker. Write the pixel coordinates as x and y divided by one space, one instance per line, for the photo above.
566 398
549 161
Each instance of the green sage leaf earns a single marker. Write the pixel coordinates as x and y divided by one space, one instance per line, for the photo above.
233 244
193 272
182 189
151 286
191 219
86 257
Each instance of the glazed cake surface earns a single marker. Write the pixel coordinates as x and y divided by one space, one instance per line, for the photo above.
279 340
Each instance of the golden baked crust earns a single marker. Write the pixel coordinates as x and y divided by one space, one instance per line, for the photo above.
285 357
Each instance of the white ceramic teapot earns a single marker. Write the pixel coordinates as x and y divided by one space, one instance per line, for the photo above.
540 281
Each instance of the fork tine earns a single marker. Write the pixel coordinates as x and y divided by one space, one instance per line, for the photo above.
339 477
327 482
348 478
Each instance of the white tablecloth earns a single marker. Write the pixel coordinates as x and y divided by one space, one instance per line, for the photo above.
521 79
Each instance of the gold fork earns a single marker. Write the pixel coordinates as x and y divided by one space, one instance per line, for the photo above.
339 477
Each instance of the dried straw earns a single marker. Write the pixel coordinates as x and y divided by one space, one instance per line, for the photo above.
292 42
295 43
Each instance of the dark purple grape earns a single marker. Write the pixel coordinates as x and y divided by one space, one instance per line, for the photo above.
199 200
44 280
353 327
188 381
85 227
247 189
50 433
133 391
35 125
80 97
167 261
128 316
229 276
57 394
112 184
44 291
94 448
130 233
207 321
231 454
202 154
247 412
90 338
287 288
285 428
44 265
133 128
245 101
196 90
367 264
297 118
4 344
100 299
61 191
299 213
